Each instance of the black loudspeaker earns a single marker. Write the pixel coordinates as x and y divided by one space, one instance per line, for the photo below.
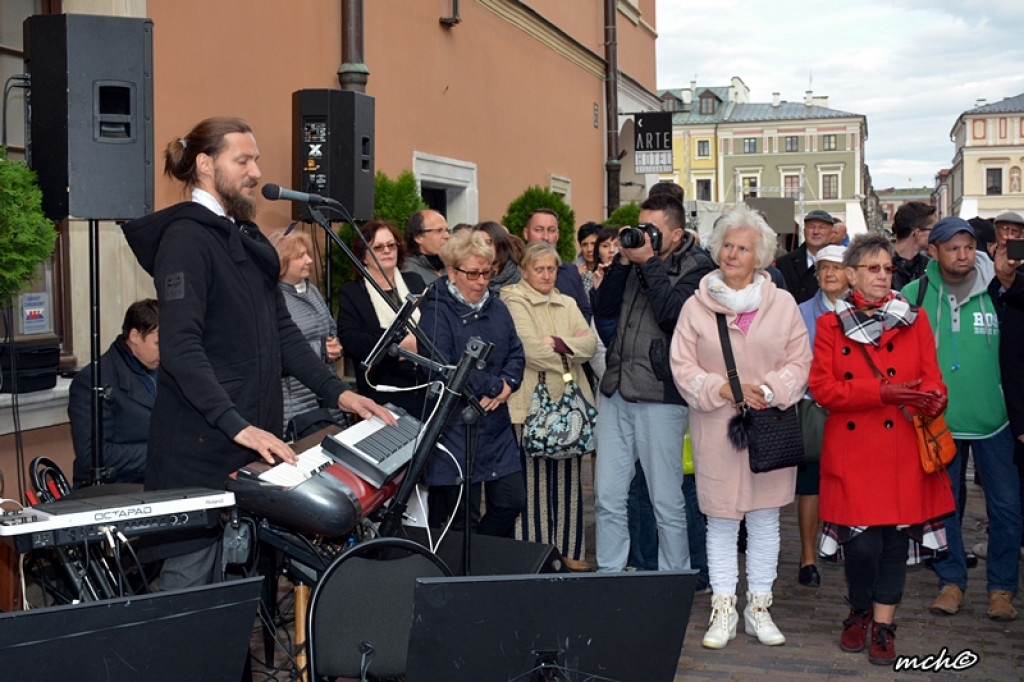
333 149
91 114
489 555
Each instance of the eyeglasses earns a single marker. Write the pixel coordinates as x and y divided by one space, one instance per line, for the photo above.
474 275
437 229
381 248
1012 230
876 268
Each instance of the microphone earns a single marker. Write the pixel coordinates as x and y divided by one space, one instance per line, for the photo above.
277 193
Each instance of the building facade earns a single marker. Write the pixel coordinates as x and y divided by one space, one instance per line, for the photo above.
727 148
479 99
985 176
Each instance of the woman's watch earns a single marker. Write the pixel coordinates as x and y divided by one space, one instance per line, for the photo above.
768 395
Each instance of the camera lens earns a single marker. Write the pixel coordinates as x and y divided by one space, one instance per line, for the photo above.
631 238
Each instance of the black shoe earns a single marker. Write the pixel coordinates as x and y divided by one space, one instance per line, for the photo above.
972 560
809 576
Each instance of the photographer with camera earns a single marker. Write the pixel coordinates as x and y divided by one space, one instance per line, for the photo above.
643 417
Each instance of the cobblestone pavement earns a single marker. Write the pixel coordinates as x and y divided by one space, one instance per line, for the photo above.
811 620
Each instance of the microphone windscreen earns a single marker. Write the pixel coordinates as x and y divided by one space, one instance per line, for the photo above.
271 191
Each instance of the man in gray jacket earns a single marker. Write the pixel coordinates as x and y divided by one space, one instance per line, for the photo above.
643 417
426 233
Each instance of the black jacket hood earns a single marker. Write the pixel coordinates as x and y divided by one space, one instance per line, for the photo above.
145 234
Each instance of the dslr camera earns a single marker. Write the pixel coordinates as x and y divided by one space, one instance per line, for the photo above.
633 237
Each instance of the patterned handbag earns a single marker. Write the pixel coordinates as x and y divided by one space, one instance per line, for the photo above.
559 430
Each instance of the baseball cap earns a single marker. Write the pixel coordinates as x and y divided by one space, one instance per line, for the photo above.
832 253
945 229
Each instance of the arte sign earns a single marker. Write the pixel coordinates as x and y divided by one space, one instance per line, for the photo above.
653 143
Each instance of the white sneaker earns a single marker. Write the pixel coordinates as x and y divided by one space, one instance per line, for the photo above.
981 550
723 621
758 621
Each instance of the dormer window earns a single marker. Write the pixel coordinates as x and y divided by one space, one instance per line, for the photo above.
707 104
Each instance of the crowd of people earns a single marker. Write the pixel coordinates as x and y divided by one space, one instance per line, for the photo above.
860 333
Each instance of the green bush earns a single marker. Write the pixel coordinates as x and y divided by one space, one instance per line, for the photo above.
27 236
624 215
532 199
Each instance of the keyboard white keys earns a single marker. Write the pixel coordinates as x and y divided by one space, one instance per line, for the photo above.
310 463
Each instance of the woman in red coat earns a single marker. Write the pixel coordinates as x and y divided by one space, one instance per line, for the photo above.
874 491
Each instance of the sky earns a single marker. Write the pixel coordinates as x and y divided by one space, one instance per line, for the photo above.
910 66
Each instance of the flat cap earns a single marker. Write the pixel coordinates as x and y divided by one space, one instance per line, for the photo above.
1009 217
818 214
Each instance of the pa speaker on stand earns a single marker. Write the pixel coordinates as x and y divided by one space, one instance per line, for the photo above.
91 114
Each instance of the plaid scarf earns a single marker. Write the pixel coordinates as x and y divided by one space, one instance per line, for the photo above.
865 322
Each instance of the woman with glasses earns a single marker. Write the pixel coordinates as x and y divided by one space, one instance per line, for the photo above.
874 362
552 328
457 307
363 315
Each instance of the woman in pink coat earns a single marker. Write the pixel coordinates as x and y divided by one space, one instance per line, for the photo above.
773 358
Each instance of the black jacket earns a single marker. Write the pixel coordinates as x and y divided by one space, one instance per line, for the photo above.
225 337
359 330
126 409
1009 306
801 281
646 299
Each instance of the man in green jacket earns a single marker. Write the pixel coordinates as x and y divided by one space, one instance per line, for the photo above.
966 330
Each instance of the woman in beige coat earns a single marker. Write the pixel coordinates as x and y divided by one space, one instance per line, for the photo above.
551 326
773 359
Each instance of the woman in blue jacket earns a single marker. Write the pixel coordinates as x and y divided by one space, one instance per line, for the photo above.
456 308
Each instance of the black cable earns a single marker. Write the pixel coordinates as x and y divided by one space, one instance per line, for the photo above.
24 78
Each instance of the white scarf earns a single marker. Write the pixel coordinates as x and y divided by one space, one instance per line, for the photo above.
744 301
382 308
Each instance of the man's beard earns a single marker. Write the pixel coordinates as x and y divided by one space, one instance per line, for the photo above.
236 204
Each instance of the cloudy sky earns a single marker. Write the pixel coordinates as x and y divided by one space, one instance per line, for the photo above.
911 66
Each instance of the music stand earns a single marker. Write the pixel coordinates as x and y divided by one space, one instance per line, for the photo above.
199 633
566 627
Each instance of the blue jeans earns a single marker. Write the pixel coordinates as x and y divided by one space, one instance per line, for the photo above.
651 433
643 530
993 460
696 531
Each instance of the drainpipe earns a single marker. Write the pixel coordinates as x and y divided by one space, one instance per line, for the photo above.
613 166
352 74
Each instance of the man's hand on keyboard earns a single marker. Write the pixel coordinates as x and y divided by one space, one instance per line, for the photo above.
267 445
350 401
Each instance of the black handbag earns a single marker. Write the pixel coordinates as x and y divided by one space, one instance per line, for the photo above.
772 435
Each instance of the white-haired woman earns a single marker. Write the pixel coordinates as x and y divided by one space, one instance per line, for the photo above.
773 359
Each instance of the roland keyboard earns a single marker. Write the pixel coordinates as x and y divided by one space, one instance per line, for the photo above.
374 450
72 520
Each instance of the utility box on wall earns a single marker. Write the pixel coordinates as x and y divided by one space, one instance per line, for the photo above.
333 149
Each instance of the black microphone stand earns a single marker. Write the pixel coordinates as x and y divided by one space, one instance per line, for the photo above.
474 356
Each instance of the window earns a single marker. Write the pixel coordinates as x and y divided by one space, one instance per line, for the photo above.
830 186
994 181
703 190
750 187
828 143
703 148
749 145
707 104
792 143
791 186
